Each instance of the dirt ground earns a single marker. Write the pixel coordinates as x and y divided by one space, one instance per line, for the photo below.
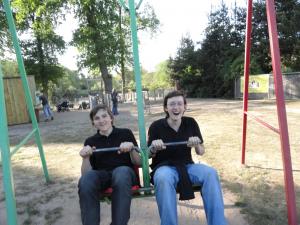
253 194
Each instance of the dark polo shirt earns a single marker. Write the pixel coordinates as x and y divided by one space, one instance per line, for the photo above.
160 129
110 160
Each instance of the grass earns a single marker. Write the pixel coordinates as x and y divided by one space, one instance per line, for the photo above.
258 186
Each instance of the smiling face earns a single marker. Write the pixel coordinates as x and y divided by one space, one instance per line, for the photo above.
175 108
102 121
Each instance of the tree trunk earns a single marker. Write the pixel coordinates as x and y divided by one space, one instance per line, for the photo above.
123 78
41 64
107 79
122 54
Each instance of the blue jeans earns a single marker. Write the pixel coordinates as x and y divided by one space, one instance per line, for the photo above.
165 183
93 182
115 109
47 111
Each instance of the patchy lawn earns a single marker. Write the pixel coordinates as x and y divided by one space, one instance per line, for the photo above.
254 192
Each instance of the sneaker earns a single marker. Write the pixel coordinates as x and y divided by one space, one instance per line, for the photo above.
52 118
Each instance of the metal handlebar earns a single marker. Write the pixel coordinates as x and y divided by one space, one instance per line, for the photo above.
170 144
176 143
137 149
114 149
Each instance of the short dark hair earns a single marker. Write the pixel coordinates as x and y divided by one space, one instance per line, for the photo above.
171 95
94 111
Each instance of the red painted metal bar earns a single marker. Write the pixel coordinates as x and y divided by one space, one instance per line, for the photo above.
281 112
259 120
246 75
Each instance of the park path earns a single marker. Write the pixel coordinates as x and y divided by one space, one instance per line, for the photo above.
62 138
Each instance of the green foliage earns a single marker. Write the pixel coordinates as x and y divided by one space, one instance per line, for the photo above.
147 20
96 35
160 79
288 21
211 70
117 83
4 33
38 19
207 71
103 37
288 25
260 40
71 85
183 68
9 68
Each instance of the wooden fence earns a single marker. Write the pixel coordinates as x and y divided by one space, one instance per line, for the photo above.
16 108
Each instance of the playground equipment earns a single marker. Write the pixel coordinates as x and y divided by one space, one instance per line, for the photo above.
137 190
280 102
131 8
4 140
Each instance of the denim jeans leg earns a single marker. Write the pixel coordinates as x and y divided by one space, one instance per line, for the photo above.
46 113
115 110
49 111
211 192
165 182
89 187
123 178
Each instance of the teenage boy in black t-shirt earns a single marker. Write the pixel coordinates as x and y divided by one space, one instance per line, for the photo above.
173 167
107 169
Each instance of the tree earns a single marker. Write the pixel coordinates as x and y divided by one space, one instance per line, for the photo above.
210 71
96 37
39 19
288 17
9 68
147 21
216 53
71 85
102 37
288 22
184 69
160 79
5 41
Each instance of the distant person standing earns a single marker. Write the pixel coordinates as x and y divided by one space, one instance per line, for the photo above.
114 99
46 108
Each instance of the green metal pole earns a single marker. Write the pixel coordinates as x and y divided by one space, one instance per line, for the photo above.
12 29
122 3
6 164
138 82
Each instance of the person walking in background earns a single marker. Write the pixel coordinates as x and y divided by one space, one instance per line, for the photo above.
46 108
114 99
173 166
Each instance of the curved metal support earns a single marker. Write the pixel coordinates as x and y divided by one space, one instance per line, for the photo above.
122 3
139 4
138 81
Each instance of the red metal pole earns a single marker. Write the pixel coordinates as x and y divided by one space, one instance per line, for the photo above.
281 112
246 76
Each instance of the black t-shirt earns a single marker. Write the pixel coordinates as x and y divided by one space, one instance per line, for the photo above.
114 97
160 129
110 160
43 99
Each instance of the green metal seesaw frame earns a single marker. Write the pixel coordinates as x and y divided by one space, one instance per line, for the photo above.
6 153
4 139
